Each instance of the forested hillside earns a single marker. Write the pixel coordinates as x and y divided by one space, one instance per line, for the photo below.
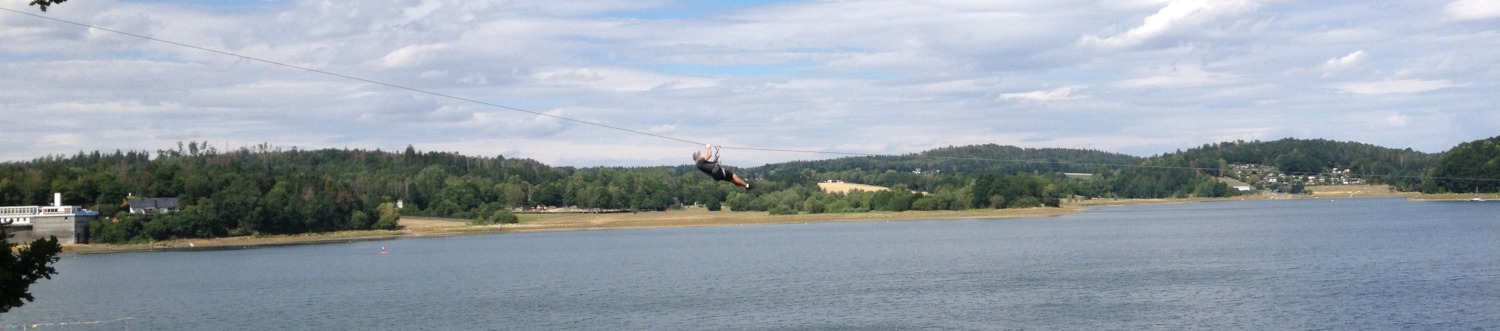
1469 167
269 190
1179 174
1172 174
966 159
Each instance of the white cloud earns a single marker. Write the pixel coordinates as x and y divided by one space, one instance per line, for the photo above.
1244 133
971 85
787 74
412 55
1061 93
511 124
1176 16
1178 77
1352 60
475 79
1465 10
664 128
63 139
1339 36
619 79
1397 121
1395 86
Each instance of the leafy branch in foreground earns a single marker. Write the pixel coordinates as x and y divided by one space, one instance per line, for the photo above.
23 266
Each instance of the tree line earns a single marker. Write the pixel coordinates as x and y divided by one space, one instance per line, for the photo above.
270 190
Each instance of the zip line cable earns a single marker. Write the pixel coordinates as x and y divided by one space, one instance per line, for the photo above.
449 96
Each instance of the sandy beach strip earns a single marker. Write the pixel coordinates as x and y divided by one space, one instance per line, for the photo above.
416 227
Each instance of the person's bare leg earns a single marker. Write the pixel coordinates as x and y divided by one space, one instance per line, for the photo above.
737 180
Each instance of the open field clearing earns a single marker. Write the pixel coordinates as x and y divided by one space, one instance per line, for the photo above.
846 187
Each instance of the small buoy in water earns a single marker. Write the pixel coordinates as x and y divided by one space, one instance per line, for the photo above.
383 251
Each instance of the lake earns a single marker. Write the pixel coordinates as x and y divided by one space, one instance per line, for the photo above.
1358 264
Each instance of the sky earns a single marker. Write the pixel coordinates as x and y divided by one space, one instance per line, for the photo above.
645 82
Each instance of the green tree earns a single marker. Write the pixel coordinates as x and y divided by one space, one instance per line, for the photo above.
782 210
504 216
813 205
997 202
498 216
389 217
883 201
21 267
741 202
42 4
359 220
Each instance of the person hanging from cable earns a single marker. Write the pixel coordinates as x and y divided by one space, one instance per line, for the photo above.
712 168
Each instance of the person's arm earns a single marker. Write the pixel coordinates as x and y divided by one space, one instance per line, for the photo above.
708 152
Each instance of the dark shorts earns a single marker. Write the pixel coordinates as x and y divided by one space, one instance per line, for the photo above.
713 169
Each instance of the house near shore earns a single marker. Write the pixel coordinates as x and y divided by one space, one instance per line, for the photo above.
153 205
70 224
1237 185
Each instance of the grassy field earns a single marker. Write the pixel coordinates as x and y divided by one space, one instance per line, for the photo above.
846 187
1357 191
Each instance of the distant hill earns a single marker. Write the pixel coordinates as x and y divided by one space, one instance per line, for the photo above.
1166 175
1468 167
971 159
1402 168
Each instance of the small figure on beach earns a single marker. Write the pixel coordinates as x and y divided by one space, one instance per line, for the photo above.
712 168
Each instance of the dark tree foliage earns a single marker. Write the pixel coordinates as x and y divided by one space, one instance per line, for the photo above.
1020 191
1469 167
19 268
42 4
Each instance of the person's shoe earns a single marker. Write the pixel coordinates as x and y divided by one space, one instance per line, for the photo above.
747 186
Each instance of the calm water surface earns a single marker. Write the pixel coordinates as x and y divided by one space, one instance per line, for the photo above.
1364 264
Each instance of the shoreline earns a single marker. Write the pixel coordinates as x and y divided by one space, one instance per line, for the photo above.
424 227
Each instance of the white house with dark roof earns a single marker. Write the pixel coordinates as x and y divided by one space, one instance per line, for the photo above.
153 205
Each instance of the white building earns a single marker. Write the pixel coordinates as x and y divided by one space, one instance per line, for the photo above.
70 224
